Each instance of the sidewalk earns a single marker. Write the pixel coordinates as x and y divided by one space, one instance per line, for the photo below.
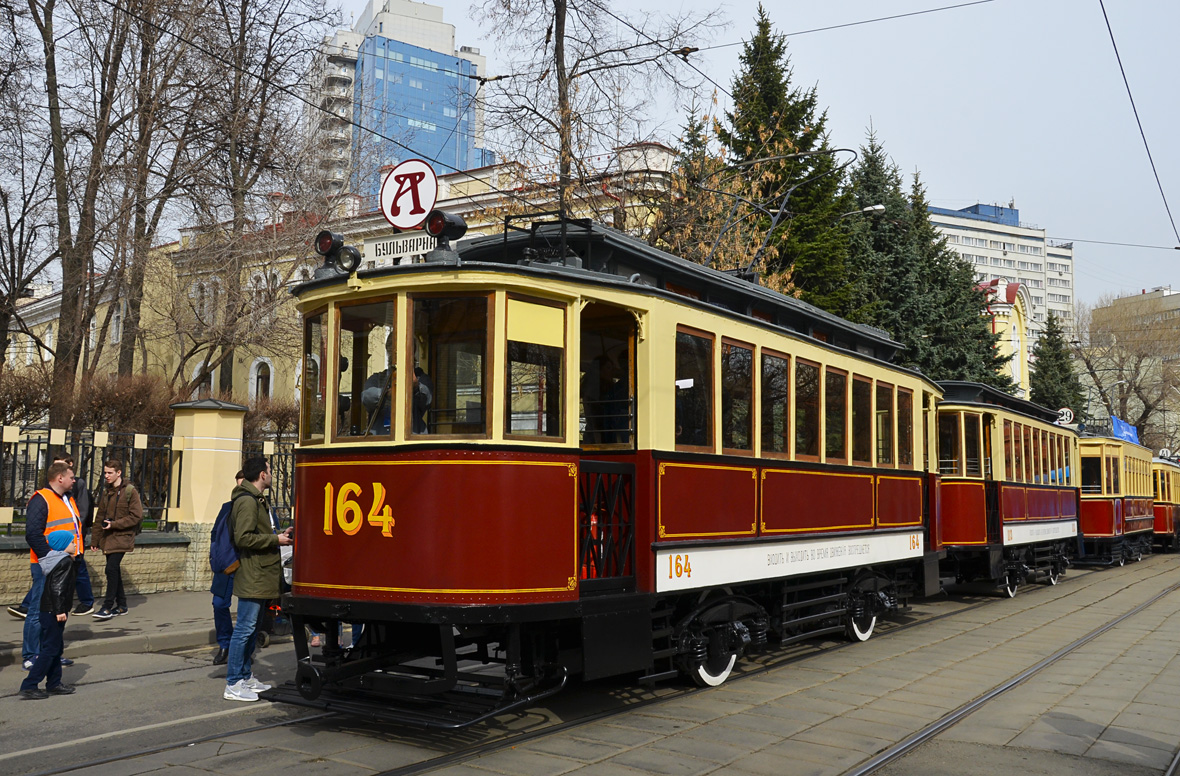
156 622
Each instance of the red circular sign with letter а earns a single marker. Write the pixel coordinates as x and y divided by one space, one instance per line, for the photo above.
408 193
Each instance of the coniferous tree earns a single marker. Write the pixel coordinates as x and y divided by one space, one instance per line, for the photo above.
1053 382
903 279
773 118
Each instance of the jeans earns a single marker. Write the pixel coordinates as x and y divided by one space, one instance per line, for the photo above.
48 663
241 645
32 635
114 595
82 585
223 596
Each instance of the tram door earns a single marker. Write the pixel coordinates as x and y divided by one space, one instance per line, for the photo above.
607 432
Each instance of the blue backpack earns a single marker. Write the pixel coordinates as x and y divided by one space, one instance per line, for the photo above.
223 555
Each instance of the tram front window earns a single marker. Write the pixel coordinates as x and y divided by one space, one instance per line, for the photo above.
536 356
1091 474
313 377
694 390
950 459
971 443
448 351
367 379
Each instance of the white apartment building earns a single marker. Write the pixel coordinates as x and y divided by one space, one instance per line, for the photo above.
993 239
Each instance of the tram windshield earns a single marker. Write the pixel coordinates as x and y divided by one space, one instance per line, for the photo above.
366 376
448 355
313 378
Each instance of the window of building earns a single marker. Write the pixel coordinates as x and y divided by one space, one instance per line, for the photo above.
884 424
737 396
1059 282
806 410
1061 298
262 382
694 390
117 323
862 420
449 344
775 392
536 359
835 415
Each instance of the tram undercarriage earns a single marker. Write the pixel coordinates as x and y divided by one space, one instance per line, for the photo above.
1116 551
1010 567
440 674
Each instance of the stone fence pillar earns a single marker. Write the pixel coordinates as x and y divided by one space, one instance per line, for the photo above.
210 434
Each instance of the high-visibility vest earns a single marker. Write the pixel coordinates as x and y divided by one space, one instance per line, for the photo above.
63 516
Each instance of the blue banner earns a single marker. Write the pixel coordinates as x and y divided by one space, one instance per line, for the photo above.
1124 430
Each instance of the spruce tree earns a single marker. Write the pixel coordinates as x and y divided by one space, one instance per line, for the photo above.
773 118
1053 382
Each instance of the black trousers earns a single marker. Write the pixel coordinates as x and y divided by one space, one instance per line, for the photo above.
114 592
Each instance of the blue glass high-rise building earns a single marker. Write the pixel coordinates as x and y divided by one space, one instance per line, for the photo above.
398 73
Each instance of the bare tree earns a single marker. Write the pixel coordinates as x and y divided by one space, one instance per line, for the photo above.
583 83
1129 349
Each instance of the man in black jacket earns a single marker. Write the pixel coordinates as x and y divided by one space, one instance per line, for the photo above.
57 565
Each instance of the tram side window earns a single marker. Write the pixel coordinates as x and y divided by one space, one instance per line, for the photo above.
1029 460
862 420
694 390
314 352
606 365
1018 452
365 382
1046 462
1156 487
449 344
1009 452
905 428
1112 474
835 415
884 424
972 453
806 409
776 406
1091 474
536 366
1054 460
949 460
737 397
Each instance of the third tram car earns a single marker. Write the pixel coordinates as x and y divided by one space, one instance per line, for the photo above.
565 453
1116 502
1165 477
1009 493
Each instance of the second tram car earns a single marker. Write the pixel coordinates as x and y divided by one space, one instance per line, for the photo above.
1117 516
1009 495
568 453
1165 477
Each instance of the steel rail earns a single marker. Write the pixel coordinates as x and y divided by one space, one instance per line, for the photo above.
952 718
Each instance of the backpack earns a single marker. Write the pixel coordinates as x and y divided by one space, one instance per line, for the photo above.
223 555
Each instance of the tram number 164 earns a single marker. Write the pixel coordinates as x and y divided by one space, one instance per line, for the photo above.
345 511
678 566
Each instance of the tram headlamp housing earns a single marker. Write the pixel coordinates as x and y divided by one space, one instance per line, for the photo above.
444 227
336 254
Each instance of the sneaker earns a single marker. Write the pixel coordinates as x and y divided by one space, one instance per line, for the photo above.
120 610
35 694
65 661
28 664
18 611
255 685
104 614
239 692
62 689
82 609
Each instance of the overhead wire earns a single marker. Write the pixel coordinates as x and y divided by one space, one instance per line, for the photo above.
1138 122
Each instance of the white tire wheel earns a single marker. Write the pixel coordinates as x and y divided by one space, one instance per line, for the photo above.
1054 576
705 676
860 629
1011 587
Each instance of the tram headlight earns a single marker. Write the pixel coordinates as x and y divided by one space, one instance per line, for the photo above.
336 254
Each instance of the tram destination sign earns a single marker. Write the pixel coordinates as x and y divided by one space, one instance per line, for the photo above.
398 249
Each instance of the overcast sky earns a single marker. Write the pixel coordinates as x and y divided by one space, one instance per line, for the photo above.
1005 100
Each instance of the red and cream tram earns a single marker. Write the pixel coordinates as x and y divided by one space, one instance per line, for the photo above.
1165 478
1116 501
566 453
1009 492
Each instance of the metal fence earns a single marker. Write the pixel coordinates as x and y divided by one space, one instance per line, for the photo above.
148 464
282 469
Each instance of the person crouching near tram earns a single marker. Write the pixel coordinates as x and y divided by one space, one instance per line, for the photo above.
58 567
256 582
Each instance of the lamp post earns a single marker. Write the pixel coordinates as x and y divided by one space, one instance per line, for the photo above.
871 210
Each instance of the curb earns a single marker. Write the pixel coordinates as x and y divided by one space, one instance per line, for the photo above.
116 645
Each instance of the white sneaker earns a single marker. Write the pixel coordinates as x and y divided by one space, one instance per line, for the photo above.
254 684
239 692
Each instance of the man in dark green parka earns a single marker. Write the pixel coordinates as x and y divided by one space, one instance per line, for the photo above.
256 581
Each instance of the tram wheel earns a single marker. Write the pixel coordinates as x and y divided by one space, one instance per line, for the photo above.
860 628
718 662
1122 559
1011 586
1054 575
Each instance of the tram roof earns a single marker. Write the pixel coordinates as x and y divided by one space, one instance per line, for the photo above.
603 255
962 392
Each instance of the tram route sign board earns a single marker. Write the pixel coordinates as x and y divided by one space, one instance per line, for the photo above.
408 193
398 248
